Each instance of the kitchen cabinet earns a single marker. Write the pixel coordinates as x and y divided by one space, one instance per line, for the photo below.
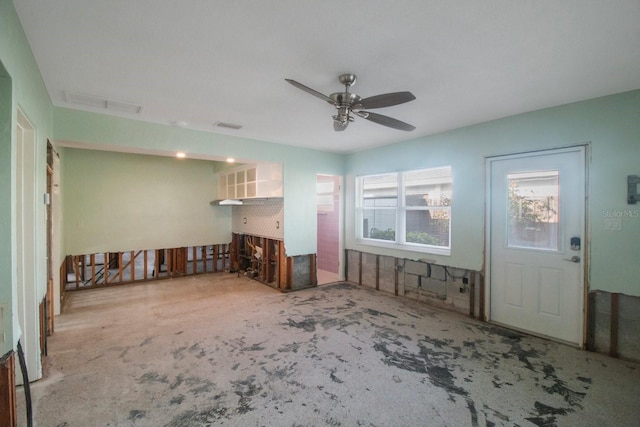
261 180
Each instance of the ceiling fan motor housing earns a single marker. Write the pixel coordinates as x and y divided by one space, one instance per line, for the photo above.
344 102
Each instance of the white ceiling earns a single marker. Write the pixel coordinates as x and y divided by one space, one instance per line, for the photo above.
204 61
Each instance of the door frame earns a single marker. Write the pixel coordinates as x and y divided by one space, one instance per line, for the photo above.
585 147
28 303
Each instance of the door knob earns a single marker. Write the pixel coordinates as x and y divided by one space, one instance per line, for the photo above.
574 258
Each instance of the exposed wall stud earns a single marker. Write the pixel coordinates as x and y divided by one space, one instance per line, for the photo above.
312 267
472 293
377 272
156 267
613 346
481 313
395 274
133 265
146 260
106 266
8 416
93 269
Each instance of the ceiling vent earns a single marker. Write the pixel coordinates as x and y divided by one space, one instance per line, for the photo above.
100 102
228 125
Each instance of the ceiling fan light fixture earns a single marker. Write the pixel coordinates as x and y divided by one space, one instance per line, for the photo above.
347 103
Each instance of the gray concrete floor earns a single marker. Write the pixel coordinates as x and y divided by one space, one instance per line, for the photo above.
325 277
225 350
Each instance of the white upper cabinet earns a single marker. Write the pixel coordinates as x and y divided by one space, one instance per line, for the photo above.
251 181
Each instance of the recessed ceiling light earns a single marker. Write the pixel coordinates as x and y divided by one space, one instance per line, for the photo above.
181 155
230 160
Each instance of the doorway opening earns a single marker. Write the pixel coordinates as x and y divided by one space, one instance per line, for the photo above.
28 300
328 189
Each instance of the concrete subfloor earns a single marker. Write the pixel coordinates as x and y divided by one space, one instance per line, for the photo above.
325 277
219 349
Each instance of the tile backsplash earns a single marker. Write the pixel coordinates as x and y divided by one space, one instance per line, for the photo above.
264 218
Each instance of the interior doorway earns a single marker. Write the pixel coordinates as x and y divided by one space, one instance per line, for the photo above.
49 309
28 300
536 228
328 189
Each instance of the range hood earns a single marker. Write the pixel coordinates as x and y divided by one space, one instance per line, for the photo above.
240 202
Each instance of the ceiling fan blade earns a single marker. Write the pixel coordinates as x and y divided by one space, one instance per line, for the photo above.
386 121
311 91
339 126
386 100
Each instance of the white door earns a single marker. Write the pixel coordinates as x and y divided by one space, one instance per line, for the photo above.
536 222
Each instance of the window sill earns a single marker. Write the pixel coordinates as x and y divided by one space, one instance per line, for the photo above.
407 247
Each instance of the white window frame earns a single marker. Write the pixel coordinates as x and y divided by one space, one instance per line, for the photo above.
401 209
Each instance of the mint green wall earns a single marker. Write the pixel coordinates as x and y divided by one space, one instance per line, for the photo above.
7 278
121 202
609 125
28 92
300 166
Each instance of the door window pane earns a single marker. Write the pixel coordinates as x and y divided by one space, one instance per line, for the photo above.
532 204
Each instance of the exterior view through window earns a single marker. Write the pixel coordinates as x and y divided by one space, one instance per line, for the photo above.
533 210
410 209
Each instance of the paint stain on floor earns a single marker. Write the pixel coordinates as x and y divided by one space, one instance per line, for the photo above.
335 355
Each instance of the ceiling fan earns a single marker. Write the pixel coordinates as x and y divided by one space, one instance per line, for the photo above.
347 103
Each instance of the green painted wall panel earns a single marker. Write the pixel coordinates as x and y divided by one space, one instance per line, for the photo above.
610 126
27 92
121 202
300 166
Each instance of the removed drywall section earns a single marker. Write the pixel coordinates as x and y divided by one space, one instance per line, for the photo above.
614 325
120 202
437 285
629 327
302 271
386 274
